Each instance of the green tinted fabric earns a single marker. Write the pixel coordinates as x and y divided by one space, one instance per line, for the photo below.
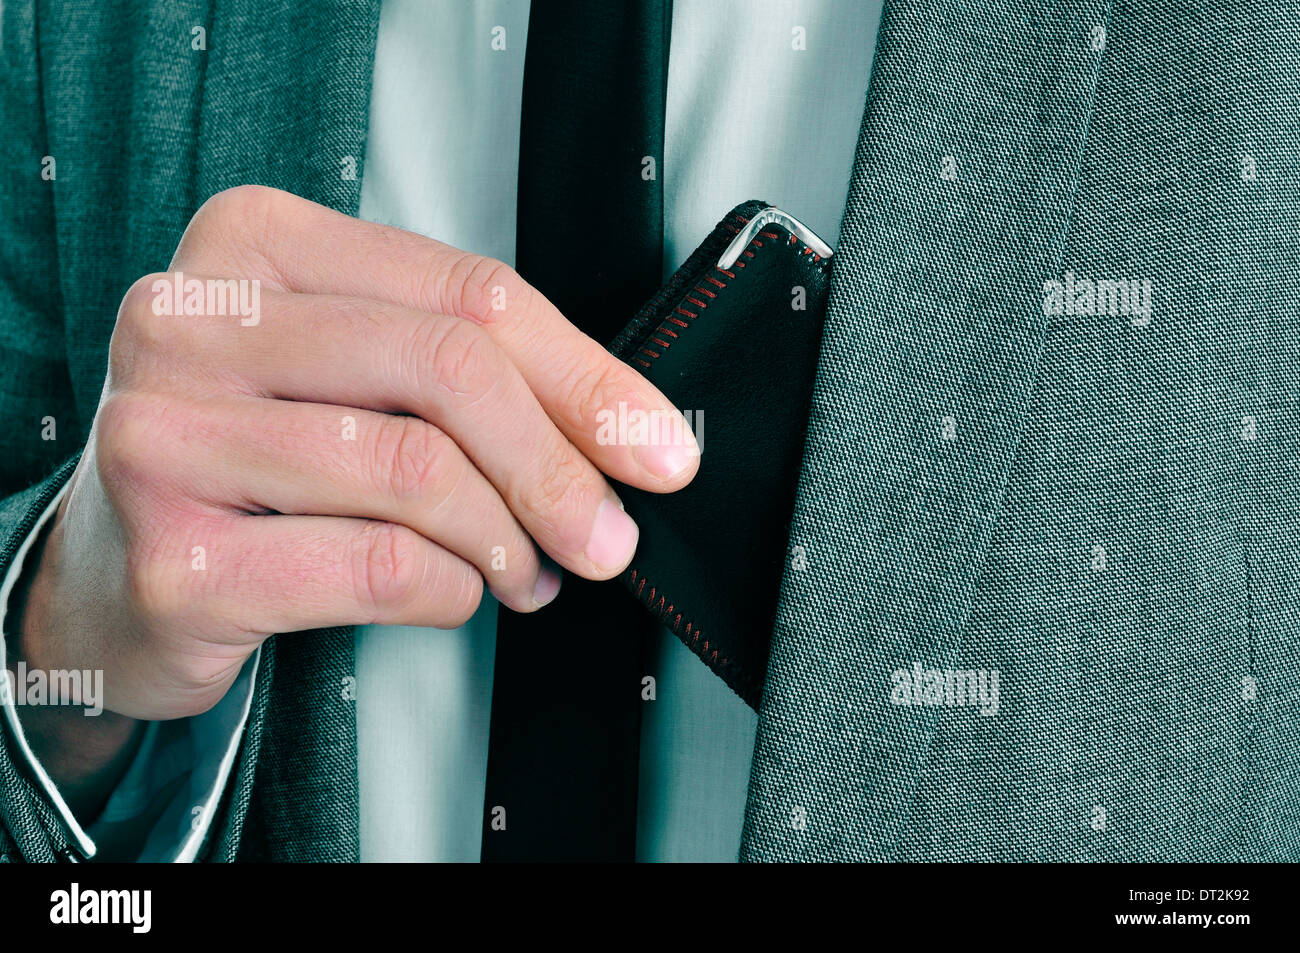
114 91
1105 512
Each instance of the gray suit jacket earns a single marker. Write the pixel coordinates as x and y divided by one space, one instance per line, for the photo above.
1100 504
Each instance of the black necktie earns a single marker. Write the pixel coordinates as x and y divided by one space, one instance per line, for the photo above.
562 762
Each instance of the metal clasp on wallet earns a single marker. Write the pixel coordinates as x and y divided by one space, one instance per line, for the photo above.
772 216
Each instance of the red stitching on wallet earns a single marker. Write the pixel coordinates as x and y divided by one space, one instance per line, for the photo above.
706 291
697 301
680 310
720 284
710 655
679 322
663 344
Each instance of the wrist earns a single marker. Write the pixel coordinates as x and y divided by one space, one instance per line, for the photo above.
83 748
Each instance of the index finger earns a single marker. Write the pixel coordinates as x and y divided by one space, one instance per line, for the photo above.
304 247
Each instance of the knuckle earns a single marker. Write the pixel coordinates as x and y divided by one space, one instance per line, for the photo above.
389 566
520 570
138 302
156 583
484 289
235 229
409 457
590 389
461 359
127 433
562 497
240 205
461 598
140 327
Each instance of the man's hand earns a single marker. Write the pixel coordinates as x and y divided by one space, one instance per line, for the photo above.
400 426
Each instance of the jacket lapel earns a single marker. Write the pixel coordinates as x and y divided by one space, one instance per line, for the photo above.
121 87
286 98
279 95
958 207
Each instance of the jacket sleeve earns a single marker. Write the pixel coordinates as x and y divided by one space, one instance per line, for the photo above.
30 826
40 433
41 430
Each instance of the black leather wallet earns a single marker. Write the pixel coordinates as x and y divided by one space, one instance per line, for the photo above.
732 339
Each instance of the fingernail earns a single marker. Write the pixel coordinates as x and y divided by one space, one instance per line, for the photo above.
670 457
613 537
548 586
664 462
